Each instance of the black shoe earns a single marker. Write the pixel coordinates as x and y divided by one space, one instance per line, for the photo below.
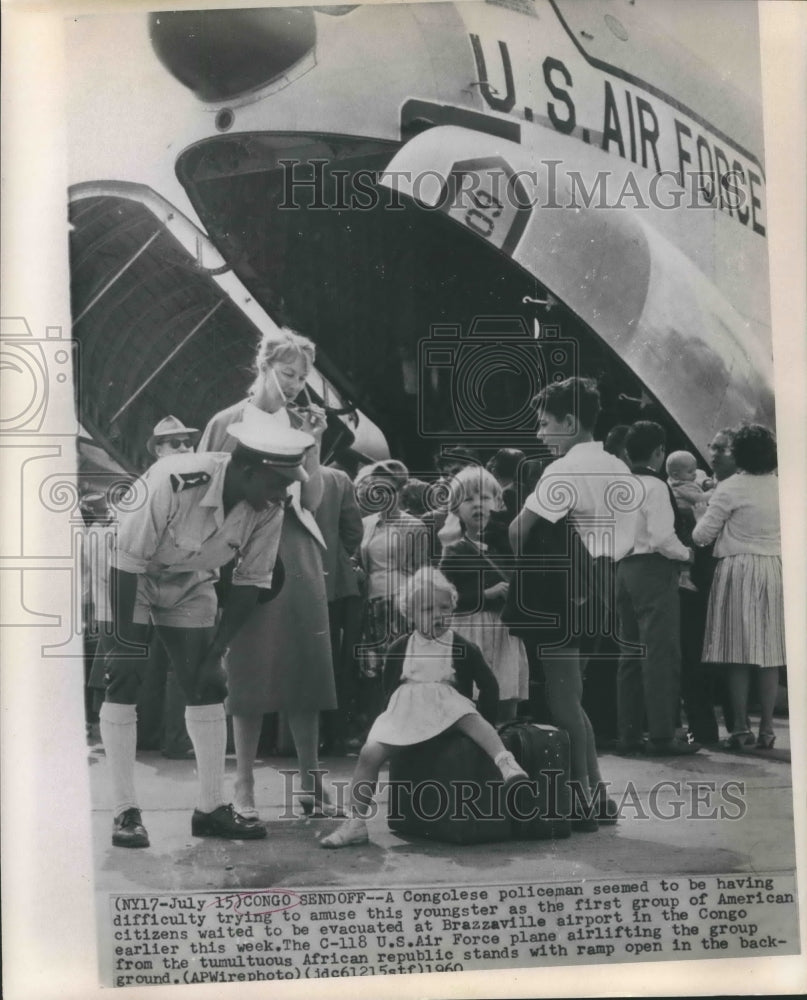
226 822
629 748
584 824
179 754
606 811
671 748
128 830
705 739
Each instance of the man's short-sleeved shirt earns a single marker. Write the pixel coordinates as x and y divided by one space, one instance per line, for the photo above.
178 525
598 492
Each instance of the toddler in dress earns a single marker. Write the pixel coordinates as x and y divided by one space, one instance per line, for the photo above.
426 668
477 564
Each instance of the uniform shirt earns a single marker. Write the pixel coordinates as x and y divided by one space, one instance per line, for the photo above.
596 490
743 515
179 525
217 438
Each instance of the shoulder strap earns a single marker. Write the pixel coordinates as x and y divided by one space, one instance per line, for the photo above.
181 481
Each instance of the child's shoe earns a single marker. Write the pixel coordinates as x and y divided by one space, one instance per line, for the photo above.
510 768
352 831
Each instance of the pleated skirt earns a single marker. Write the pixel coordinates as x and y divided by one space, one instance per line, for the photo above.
745 616
503 653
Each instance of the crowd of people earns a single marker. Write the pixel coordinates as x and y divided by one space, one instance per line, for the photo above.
377 611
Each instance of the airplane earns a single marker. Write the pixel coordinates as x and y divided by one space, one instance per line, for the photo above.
458 202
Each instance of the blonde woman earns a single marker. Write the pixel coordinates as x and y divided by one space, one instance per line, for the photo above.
280 660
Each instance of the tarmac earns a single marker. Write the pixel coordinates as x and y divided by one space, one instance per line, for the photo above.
670 824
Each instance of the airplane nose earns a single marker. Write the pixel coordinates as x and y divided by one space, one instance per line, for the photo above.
220 54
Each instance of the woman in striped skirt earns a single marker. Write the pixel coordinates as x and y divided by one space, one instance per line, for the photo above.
745 617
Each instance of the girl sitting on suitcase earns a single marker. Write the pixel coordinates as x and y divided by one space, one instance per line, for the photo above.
431 673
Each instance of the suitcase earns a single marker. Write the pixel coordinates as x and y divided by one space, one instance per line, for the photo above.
543 752
447 789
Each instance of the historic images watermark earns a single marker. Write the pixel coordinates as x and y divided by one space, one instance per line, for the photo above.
526 800
487 377
552 184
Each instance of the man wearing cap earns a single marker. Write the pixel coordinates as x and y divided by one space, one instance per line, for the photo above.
191 514
162 701
171 437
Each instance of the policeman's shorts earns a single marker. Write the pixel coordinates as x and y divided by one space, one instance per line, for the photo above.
178 600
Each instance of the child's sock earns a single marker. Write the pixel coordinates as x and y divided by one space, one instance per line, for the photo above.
509 766
352 831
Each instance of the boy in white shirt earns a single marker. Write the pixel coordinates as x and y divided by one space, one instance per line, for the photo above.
592 489
648 607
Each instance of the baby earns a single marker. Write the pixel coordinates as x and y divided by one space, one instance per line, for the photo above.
682 476
690 496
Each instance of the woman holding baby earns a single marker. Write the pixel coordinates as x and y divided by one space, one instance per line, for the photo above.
745 616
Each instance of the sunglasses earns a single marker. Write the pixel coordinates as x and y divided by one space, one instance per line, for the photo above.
176 443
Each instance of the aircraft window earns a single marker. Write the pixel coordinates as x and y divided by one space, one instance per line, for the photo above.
325 390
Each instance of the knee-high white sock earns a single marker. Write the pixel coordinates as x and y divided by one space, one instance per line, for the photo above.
207 728
119 736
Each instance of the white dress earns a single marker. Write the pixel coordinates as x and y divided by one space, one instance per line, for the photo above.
425 703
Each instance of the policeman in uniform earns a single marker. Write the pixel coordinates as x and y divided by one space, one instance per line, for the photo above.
164 703
190 515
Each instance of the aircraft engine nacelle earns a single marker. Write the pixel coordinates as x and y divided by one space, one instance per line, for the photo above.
223 54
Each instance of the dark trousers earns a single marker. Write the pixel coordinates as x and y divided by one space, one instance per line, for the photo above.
345 617
696 677
600 652
648 679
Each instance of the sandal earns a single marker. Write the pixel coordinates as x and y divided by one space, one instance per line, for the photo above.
739 741
244 803
352 831
765 741
320 803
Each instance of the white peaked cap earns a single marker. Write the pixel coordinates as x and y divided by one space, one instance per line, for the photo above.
281 448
